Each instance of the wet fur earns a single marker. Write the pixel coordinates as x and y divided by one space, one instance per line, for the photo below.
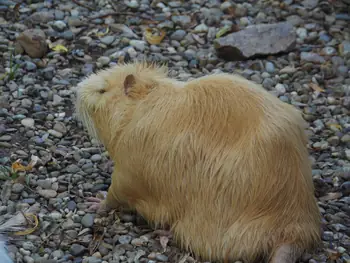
219 159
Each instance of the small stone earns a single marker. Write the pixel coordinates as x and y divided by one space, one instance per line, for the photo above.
345 138
57 100
77 250
96 158
107 40
57 254
48 73
178 35
92 260
347 154
201 28
344 48
302 33
124 239
162 257
55 133
60 127
68 35
280 89
334 140
26 103
59 26
270 67
184 21
104 60
87 220
138 44
30 66
133 4
268 83
17 188
5 138
311 57
28 259
33 42
310 4
47 193
72 168
28 245
272 39
28 122
71 205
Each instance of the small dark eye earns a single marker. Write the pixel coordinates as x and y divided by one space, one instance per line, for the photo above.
102 91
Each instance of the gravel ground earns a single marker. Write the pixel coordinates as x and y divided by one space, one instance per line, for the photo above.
37 118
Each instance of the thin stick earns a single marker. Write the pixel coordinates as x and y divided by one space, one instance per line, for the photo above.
83 5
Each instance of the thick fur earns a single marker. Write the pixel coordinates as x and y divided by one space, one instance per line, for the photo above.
219 159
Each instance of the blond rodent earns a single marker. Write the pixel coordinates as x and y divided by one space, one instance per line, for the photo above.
218 158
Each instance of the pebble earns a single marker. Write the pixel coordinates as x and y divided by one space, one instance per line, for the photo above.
17 188
87 220
47 193
138 44
30 66
107 40
77 250
312 57
124 239
270 68
60 26
178 35
182 20
5 138
55 133
280 88
28 122
103 60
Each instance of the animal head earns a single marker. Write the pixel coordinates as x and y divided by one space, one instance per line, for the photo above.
104 99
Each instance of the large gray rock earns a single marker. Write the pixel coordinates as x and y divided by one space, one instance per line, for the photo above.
257 40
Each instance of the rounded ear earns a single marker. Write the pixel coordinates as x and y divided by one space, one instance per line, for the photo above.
134 89
129 82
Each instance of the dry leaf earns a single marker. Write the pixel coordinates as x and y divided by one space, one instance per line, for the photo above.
101 33
315 87
59 48
154 37
18 167
335 126
224 30
164 242
33 219
333 254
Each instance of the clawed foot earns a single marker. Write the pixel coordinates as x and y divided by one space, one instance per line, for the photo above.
97 204
164 237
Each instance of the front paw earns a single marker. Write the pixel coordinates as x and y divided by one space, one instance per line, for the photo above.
97 204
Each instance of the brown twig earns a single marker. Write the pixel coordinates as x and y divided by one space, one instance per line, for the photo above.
83 5
113 5
117 14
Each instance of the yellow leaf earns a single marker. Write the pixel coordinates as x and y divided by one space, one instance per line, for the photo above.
101 34
335 126
35 222
154 38
315 87
18 167
59 48
223 31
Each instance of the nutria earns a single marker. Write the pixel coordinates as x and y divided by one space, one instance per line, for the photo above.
220 160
